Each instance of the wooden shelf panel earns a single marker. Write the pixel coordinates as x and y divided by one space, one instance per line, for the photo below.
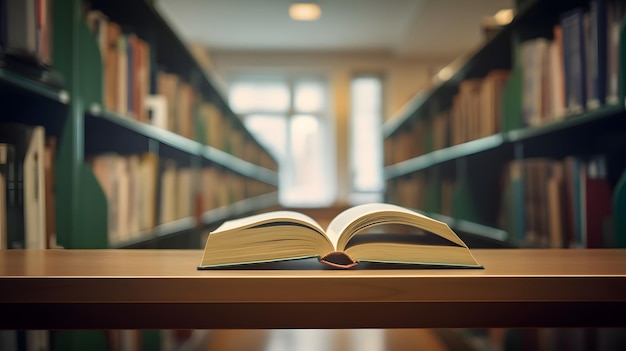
163 289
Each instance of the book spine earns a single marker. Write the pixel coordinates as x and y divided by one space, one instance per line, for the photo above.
21 25
615 15
598 53
4 156
574 60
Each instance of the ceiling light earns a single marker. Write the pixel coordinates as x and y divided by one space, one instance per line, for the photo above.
304 11
445 73
504 16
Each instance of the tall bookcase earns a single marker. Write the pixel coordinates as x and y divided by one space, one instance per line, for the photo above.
68 100
490 149
493 151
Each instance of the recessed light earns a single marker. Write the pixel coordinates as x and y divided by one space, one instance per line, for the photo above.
304 11
504 16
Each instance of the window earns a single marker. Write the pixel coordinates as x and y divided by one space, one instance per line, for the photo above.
366 157
290 118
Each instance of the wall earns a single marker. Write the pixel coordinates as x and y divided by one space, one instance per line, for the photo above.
402 79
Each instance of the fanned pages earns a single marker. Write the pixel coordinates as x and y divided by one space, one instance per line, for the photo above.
376 233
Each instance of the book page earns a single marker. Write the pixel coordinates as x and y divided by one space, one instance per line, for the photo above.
347 220
270 217
356 219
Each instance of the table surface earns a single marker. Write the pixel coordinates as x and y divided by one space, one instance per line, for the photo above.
162 289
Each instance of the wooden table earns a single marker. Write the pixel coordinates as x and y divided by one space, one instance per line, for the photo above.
161 289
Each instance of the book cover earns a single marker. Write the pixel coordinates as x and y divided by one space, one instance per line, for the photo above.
597 53
3 25
556 76
25 185
598 202
130 73
122 75
619 206
156 109
111 65
21 37
615 15
574 60
533 56
49 172
4 168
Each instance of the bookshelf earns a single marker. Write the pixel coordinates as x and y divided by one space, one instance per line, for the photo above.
491 179
69 96
68 99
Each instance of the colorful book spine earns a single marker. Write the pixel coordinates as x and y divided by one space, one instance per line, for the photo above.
597 53
574 60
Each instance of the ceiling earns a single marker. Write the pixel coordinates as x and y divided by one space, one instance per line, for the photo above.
406 28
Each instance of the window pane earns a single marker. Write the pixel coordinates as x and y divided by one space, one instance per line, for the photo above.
308 182
304 134
288 117
309 97
270 131
366 140
246 97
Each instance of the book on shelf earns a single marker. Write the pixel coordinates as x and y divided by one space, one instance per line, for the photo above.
24 148
126 66
559 203
25 31
376 233
575 58
49 181
4 169
619 206
615 12
129 183
597 52
156 109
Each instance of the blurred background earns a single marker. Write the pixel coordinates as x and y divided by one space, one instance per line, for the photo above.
145 124
316 91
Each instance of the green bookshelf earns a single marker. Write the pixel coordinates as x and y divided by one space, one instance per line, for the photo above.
449 154
13 80
68 100
480 164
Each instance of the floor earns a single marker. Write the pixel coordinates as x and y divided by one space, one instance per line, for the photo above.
331 340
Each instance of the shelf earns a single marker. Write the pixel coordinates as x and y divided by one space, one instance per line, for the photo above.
171 51
34 86
240 208
162 230
163 289
185 145
444 155
149 131
240 166
472 228
209 218
580 120
494 54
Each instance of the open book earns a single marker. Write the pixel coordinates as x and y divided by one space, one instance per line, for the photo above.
364 233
